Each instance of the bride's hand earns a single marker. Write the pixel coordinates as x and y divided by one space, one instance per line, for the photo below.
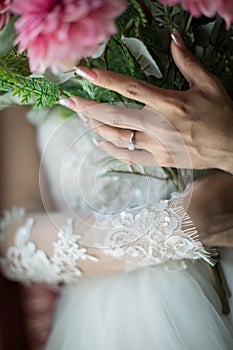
185 129
211 209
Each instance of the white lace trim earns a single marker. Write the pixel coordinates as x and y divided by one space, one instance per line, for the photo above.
10 217
155 236
25 263
145 237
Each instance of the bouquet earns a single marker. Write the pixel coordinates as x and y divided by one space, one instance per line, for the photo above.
43 41
40 40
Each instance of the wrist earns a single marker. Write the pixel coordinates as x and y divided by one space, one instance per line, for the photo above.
226 163
224 159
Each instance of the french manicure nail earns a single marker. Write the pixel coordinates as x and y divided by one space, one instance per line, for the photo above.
176 37
84 119
66 102
96 142
86 73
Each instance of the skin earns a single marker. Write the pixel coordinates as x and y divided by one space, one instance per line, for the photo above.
185 129
211 209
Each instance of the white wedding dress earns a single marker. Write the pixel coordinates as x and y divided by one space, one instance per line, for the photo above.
161 297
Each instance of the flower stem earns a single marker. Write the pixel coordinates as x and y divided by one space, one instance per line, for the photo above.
189 21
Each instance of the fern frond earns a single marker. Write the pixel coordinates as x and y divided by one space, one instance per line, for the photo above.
138 8
30 90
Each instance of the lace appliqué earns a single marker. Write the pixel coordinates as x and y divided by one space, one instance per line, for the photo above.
10 217
25 263
155 236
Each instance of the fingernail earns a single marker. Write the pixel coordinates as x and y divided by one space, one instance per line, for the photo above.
86 73
176 37
96 142
84 119
66 102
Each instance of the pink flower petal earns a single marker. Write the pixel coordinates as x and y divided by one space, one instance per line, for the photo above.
209 8
53 31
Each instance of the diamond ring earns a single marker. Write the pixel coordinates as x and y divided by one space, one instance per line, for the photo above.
131 145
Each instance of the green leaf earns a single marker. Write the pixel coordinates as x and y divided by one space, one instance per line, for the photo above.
141 54
116 58
126 20
140 12
14 63
37 91
7 36
215 36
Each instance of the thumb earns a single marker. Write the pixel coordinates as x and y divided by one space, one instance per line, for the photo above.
189 66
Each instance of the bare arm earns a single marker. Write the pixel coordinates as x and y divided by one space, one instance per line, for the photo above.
211 209
59 247
20 187
19 159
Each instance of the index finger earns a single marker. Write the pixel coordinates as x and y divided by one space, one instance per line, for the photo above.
129 87
113 115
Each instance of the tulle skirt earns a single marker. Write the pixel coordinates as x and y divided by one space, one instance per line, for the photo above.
154 308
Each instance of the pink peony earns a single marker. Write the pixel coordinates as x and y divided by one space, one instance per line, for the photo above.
5 7
208 8
53 31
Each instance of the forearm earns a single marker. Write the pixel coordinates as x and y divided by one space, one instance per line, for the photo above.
219 231
19 159
20 186
56 247
211 209
66 243
225 157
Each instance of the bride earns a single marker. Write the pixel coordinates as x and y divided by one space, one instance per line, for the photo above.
131 272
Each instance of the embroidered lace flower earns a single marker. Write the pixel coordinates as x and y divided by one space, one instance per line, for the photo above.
155 236
25 263
10 217
142 237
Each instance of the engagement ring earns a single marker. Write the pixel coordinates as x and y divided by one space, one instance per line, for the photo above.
131 145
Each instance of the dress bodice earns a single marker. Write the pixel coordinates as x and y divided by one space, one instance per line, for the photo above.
75 170
126 218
